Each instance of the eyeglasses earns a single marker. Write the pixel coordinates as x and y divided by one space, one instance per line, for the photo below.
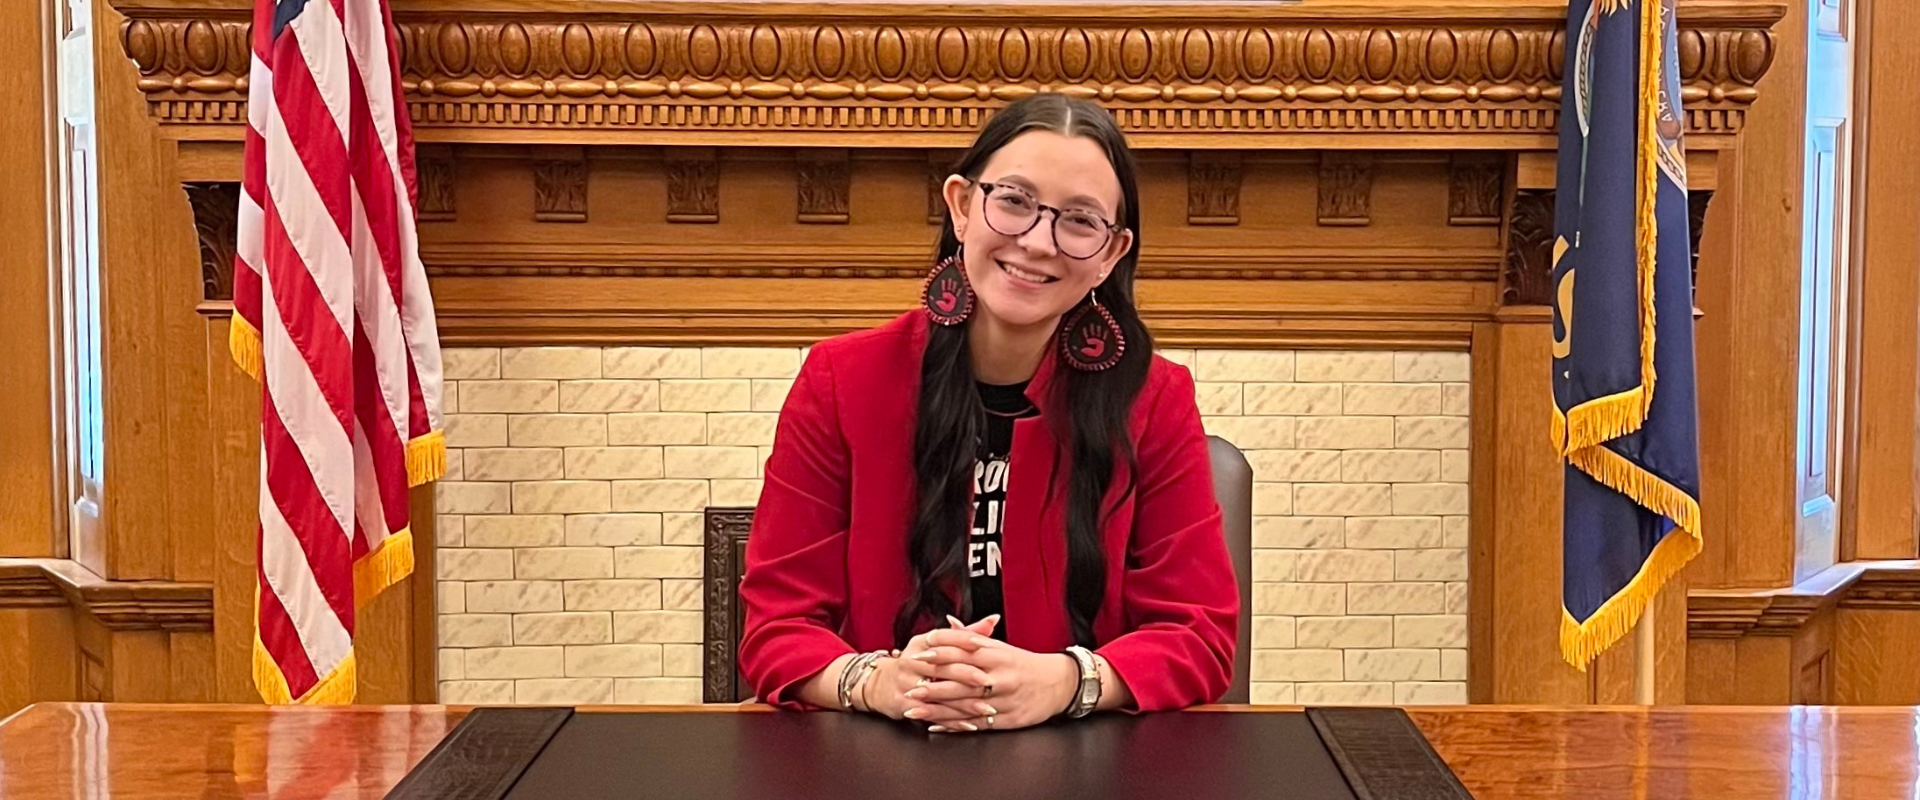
1011 211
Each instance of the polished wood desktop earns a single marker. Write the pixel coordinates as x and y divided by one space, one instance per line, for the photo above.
211 751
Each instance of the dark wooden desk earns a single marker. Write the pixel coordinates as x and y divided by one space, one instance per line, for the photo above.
133 752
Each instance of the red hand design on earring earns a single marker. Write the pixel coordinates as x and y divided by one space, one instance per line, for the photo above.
947 299
1095 345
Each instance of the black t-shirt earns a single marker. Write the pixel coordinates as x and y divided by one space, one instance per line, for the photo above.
1004 404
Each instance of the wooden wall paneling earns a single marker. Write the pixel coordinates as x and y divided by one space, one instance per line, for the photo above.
138 456
1878 641
37 657
182 278
1748 338
383 645
1875 654
233 430
27 494
1812 660
423 600
1515 581
1712 672
191 658
1878 518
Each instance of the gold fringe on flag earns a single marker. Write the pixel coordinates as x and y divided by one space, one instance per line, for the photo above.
1581 642
377 570
243 341
1580 432
426 458
335 688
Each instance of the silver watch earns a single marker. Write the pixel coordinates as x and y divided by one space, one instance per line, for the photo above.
1087 697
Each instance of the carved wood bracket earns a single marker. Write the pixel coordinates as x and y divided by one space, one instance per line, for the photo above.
661 72
1719 614
118 605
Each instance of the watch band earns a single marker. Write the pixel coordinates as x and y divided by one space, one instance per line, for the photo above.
1087 697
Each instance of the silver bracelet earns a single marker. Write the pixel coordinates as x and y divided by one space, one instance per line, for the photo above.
1086 697
851 675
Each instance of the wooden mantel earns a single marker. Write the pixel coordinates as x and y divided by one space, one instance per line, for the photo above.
1246 75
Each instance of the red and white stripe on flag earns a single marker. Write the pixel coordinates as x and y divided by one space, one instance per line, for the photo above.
332 316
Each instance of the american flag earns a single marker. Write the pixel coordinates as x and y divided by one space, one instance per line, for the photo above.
332 316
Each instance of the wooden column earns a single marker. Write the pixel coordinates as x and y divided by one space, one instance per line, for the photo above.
1878 517
1748 339
27 519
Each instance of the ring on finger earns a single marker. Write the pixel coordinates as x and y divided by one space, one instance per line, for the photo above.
986 691
989 721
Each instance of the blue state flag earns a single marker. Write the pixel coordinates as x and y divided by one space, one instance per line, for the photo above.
1623 386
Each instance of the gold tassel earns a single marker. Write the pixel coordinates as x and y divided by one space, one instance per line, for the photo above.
426 458
377 570
243 342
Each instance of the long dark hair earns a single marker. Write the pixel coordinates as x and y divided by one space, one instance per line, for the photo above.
1092 407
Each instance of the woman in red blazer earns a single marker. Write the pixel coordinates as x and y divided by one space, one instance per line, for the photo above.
1013 454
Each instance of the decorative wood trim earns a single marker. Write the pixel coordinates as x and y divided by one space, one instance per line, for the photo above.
116 605
855 261
216 216
1475 187
1346 187
861 69
1896 589
1731 614
824 182
435 165
726 550
559 184
28 586
1529 272
693 185
1213 187
1697 202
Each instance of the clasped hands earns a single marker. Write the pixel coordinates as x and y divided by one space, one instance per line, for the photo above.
961 680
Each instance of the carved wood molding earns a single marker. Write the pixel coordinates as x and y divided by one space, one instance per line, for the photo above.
1474 188
117 605
726 540
1529 270
1722 614
1213 187
559 184
761 260
1894 589
852 71
825 183
693 185
1346 188
433 167
216 220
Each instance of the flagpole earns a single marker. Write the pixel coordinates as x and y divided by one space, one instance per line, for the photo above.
1643 657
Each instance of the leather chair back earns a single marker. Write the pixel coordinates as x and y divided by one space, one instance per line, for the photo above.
1233 488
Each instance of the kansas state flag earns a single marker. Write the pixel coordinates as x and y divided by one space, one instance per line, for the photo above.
1623 387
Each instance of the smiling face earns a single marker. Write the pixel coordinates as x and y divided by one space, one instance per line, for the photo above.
1025 279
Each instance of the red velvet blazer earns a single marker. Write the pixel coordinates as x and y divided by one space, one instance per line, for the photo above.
826 560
